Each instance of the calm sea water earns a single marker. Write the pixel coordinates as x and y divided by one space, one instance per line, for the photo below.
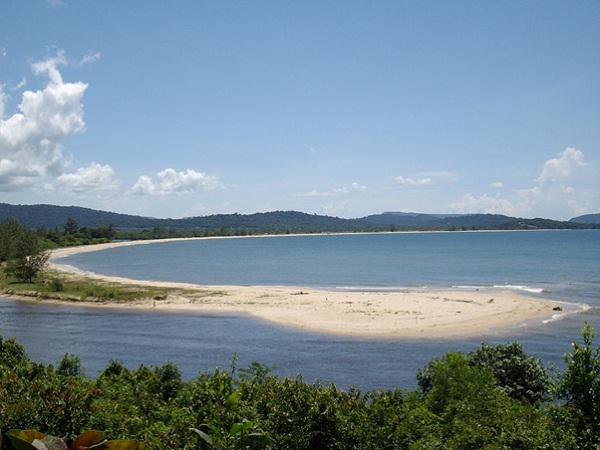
562 265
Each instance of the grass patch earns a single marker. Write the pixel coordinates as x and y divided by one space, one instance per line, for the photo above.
71 287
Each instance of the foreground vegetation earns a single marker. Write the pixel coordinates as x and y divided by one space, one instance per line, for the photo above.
496 397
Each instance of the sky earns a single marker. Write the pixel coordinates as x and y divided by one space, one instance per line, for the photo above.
341 108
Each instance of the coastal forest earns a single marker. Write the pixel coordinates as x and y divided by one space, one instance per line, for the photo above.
495 397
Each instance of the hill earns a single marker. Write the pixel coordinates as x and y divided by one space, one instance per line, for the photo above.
55 217
52 216
416 221
588 218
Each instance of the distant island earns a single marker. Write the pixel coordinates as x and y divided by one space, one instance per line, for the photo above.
276 222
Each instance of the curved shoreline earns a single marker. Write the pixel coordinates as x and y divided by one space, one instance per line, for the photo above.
387 314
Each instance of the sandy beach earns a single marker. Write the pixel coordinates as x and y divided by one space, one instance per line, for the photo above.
401 314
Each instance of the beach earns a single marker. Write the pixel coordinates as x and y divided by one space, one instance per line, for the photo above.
385 314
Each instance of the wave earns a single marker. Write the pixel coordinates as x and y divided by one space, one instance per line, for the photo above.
512 287
378 288
532 290
568 310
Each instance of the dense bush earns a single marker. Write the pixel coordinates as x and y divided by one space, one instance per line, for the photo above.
493 398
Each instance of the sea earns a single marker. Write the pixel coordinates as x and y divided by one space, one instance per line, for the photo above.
562 265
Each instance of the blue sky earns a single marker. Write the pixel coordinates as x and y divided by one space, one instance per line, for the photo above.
344 108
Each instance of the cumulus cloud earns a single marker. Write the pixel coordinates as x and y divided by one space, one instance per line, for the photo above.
552 193
31 139
169 182
94 177
497 185
553 187
558 170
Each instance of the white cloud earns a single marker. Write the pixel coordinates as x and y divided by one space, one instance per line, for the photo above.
497 185
94 177
334 208
357 187
170 182
552 194
484 204
553 190
557 170
313 193
20 85
354 187
3 99
31 139
426 178
409 181
89 59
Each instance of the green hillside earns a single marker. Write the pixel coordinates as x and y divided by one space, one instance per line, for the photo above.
55 217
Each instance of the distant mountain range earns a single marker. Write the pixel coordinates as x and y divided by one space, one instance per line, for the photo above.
55 217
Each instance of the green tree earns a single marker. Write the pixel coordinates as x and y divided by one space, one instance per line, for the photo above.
519 375
27 258
580 384
70 366
71 226
10 230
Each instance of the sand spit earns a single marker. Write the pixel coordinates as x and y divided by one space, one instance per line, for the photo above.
388 314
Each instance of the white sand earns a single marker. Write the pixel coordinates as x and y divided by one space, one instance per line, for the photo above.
370 314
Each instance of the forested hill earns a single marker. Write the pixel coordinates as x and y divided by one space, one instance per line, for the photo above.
588 218
52 217
55 217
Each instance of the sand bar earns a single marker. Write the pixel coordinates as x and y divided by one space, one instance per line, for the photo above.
400 314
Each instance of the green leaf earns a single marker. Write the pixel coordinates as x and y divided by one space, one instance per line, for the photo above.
250 439
232 400
239 427
88 439
210 440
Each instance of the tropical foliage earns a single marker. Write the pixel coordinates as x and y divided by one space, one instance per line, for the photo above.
496 397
